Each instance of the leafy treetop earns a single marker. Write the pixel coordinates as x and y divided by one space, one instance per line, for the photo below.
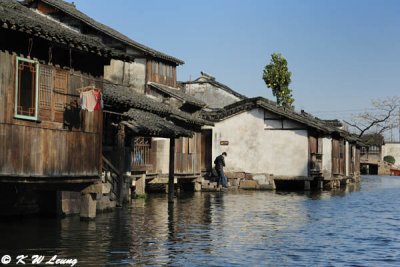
277 77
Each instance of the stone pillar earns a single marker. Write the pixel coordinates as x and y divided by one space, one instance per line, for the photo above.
272 181
307 185
68 202
88 206
141 185
320 184
197 186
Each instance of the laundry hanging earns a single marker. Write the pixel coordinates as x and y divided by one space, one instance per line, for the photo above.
91 100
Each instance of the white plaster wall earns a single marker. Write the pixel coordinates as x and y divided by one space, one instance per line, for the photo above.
137 74
327 157
114 71
132 74
392 149
253 149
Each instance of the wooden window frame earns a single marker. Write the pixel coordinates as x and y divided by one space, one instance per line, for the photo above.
26 117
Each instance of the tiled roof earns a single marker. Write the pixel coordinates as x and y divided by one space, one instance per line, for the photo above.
205 78
144 123
71 10
335 123
15 16
371 139
123 98
303 118
177 93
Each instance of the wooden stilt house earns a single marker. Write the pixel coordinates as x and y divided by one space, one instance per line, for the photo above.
45 137
150 72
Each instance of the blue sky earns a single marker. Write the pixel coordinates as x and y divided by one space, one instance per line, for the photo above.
341 53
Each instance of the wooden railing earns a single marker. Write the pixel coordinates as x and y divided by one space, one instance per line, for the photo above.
141 157
113 177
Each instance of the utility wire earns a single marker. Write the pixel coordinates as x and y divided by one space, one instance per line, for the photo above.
344 110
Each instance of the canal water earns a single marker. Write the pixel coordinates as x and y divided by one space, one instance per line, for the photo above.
356 226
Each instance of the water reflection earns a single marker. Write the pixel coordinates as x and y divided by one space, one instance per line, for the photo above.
357 225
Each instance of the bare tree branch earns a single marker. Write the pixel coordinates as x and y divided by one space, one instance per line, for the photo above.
374 122
381 119
353 125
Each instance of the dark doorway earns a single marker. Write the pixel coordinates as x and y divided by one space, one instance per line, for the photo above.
369 169
373 169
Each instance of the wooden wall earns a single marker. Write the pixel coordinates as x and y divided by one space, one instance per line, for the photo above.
188 155
64 142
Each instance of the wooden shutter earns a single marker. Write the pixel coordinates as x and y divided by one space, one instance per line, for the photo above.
45 92
61 78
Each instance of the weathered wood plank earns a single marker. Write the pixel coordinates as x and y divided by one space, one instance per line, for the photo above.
3 67
46 148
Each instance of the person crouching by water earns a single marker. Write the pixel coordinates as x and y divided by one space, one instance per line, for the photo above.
219 167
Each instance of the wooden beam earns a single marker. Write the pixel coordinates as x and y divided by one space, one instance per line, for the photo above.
285 129
121 162
171 175
274 119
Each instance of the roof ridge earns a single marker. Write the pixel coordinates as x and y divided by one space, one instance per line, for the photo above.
108 30
176 92
212 80
17 16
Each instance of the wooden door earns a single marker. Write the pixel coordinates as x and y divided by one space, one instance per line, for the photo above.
206 150
338 157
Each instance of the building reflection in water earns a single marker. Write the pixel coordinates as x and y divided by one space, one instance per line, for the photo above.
195 228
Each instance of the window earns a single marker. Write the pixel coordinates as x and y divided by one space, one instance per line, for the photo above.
60 90
363 150
53 90
45 92
374 149
26 89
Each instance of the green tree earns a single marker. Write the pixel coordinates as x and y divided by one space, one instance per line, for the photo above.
389 159
277 77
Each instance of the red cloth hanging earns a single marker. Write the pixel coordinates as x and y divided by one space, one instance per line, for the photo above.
97 96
